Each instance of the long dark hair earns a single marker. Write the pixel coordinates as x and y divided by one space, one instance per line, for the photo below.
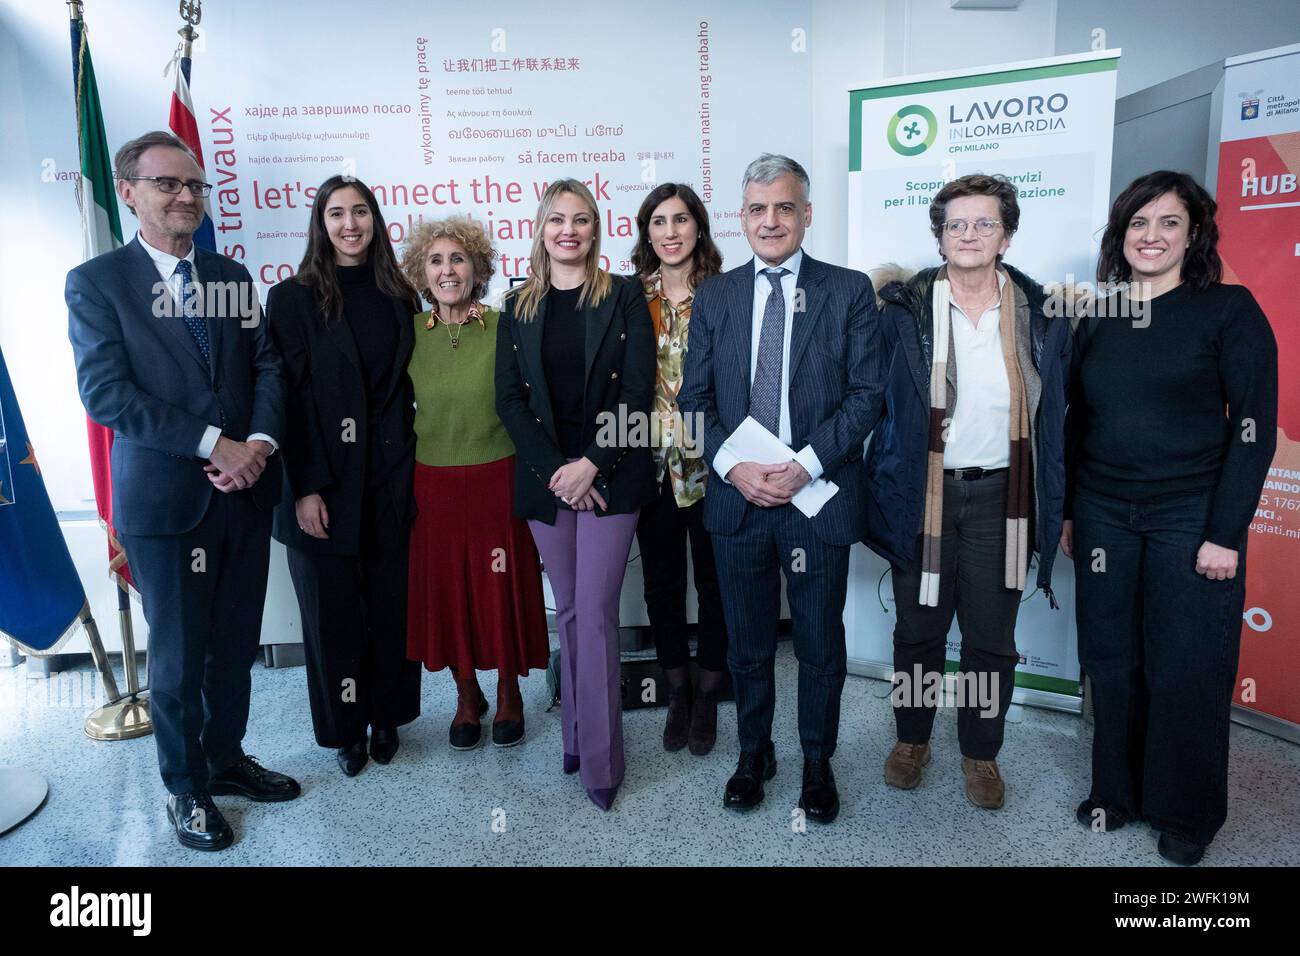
1201 263
706 260
317 267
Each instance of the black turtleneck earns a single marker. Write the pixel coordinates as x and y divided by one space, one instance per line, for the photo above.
370 315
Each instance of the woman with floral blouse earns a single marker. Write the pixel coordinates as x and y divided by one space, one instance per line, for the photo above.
673 255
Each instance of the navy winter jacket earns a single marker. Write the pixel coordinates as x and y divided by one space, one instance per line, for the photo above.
896 461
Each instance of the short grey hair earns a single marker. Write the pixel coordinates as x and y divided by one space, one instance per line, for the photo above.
771 166
126 163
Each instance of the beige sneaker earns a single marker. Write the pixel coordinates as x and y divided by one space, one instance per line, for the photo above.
984 786
904 763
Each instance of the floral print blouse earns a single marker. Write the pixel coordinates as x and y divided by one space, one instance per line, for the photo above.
679 445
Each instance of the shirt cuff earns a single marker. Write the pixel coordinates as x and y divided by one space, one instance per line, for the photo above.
258 436
724 461
209 441
811 463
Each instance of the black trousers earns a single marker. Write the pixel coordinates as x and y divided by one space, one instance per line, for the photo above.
203 593
354 634
662 533
972 587
1160 644
750 562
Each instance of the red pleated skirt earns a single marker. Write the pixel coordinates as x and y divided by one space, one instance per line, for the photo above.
475 583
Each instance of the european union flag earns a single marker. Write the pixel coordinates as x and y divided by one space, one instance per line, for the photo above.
40 594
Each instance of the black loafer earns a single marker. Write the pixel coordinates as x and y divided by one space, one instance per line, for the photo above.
467 736
1177 850
1094 816
351 759
248 778
745 788
383 743
507 733
199 824
819 800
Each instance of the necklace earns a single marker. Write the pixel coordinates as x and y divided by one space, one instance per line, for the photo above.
983 307
454 336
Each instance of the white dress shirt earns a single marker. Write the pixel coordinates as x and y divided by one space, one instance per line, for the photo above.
726 459
980 433
165 263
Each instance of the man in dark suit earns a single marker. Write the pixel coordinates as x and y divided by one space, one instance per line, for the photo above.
794 344
172 355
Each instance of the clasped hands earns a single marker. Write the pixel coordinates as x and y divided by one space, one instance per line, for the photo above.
236 465
571 483
768 485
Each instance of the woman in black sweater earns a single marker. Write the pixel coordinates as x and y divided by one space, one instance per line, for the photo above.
1172 427
343 328
575 378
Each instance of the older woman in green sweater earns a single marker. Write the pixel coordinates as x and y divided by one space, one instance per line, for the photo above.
475 597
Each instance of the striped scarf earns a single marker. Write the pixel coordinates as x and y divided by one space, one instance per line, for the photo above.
1020 471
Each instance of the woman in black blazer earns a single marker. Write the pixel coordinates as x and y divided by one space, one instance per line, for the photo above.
343 328
575 379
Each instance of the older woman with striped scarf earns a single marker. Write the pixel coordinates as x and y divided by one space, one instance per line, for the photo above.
966 473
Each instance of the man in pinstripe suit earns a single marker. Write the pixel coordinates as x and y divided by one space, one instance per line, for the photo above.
793 343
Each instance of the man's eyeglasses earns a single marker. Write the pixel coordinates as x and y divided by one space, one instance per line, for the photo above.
983 227
172 186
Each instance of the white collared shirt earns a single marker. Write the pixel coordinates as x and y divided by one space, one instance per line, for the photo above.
165 263
980 433
726 459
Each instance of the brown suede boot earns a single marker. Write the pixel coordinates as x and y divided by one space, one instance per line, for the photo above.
984 786
904 763
678 719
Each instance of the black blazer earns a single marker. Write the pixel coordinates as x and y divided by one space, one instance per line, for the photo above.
620 381
325 391
142 375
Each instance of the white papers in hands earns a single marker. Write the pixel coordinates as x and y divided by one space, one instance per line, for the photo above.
752 442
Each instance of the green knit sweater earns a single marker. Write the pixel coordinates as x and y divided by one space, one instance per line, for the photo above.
455 395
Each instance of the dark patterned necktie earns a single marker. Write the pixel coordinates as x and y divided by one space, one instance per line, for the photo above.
765 393
193 315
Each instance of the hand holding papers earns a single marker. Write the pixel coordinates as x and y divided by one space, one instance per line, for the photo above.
752 442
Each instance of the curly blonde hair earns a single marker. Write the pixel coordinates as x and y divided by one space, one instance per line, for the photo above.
465 232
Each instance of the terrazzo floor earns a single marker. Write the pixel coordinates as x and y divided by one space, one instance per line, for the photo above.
491 806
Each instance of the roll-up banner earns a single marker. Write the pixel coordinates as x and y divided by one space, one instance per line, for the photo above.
1047 125
1259 240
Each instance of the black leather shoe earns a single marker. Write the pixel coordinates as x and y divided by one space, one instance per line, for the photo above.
467 736
352 758
819 800
1105 821
199 824
745 788
248 778
383 743
1177 850
507 733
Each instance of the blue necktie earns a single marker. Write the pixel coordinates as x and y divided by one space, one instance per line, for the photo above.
765 393
193 315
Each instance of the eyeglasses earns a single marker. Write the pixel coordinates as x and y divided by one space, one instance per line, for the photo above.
983 227
171 186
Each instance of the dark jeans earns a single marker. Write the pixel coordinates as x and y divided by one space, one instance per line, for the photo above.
1160 643
662 533
972 586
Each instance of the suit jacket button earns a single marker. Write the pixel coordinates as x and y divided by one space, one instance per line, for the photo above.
515 347
526 385
622 335
613 374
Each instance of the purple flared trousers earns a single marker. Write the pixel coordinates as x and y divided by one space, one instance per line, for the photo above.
585 558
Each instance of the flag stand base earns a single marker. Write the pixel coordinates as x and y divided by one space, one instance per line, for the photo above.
123 719
22 793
